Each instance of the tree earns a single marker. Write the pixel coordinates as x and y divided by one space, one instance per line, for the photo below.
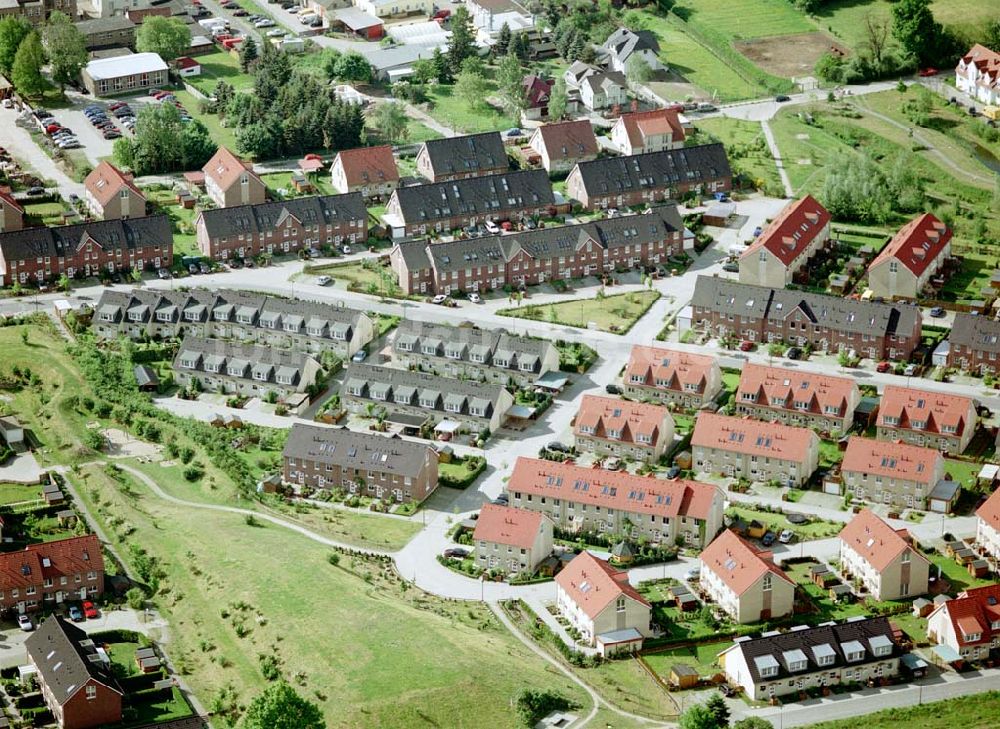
135 598
280 707
248 53
830 67
355 68
442 67
533 705
472 88
502 45
13 30
856 189
510 80
331 57
462 43
424 70
876 39
558 99
914 26
168 37
638 70
26 74
698 716
991 34
391 121
521 45
66 48
717 706
753 722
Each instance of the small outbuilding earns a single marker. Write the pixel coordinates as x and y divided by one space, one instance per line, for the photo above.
187 66
146 378
682 676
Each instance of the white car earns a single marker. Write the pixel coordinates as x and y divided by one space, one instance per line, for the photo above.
439 299
276 33
324 280
346 250
492 227
263 23
475 298
24 623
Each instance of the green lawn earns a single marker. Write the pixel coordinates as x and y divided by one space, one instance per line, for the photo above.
700 657
124 655
219 66
283 181
829 453
747 149
11 493
224 136
624 681
176 707
373 279
181 220
846 18
815 529
455 113
48 214
978 711
955 573
964 472
745 19
609 314
417 132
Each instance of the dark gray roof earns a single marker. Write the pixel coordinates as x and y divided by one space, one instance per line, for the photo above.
105 25
835 636
352 449
624 42
491 340
655 170
145 376
313 210
254 354
64 240
604 79
376 375
459 254
497 195
471 154
846 315
981 333
66 659
414 254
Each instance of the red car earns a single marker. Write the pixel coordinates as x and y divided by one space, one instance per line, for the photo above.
52 128
90 610
925 72
883 367
746 346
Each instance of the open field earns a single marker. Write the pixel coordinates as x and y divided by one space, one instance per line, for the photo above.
978 711
700 657
788 56
454 112
12 493
377 280
747 149
615 313
352 637
283 181
219 66
745 19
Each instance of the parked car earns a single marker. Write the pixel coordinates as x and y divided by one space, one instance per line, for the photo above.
192 269
692 574
746 345
492 227
925 72
163 273
475 298
883 367
727 690
90 610
75 614
324 280
204 267
786 536
502 498
911 370
782 98
937 312
240 13
359 356
276 33
265 23
36 190
768 539
793 353
673 472
558 447
731 267
456 553
613 389
440 299
24 623
612 464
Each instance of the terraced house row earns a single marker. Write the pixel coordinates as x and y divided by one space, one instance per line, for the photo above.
466 352
535 256
308 326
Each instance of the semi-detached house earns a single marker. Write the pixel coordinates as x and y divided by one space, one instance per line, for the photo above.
905 267
11 212
535 256
883 560
969 624
229 181
978 74
511 540
810 399
890 472
787 245
925 418
371 171
649 131
442 206
634 430
307 326
471 353
666 375
42 576
562 144
110 193
368 464
988 526
974 343
282 227
744 581
871 329
579 499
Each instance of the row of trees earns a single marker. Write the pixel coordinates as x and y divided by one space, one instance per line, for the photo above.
164 143
24 50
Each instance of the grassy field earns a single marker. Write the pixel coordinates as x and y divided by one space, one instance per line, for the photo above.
745 19
747 149
970 712
351 637
417 132
48 214
375 281
845 18
219 66
453 112
283 181
700 657
625 678
220 134
615 313
955 573
12 493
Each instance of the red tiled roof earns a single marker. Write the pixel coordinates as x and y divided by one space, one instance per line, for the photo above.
673 367
593 584
186 62
613 489
738 563
974 611
891 459
935 409
989 512
875 541
507 525
569 140
641 125
780 387
536 90
369 165
64 557
788 235
986 61
106 180
917 244
225 168
7 197
744 435
628 418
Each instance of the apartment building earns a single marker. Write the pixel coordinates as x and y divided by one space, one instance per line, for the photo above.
111 32
458 158
42 576
36 255
366 464
649 131
579 499
563 144
230 182
969 624
668 376
109 193
988 526
282 227
471 353
884 560
978 74
754 450
778 664
511 540
37 12
250 370
608 426
974 343
871 329
370 171
893 473
905 267
787 245
920 417
650 177
307 326
808 399
474 406
602 606
744 581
